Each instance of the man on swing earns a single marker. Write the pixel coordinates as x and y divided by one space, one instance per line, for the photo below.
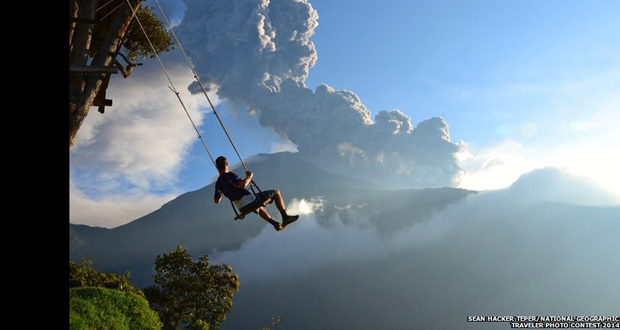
231 186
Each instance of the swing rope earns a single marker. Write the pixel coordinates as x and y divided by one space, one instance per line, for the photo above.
258 196
171 87
197 78
204 91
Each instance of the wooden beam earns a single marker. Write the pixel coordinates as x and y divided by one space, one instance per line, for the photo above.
102 102
93 69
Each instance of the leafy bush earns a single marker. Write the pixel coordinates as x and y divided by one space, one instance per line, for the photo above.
85 276
109 309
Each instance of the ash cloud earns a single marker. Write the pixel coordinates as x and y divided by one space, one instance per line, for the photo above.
240 45
257 54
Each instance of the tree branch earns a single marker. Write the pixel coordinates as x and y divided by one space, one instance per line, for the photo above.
126 69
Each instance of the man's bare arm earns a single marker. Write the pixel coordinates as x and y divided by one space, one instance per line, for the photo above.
248 178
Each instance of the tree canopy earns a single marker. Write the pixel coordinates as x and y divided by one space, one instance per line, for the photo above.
137 44
191 294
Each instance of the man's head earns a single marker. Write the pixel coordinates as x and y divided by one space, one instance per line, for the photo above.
221 162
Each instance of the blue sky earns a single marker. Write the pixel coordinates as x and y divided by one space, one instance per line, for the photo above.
523 85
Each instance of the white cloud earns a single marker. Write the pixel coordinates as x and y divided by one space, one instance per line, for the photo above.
112 210
145 135
262 257
283 146
494 167
501 165
122 158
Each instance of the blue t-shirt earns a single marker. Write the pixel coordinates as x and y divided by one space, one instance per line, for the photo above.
227 185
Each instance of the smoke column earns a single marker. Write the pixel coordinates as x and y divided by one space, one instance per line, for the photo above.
257 54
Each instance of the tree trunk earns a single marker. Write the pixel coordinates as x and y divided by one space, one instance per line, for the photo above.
83 87
73 15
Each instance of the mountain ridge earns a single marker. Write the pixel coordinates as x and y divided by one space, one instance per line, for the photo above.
362 257
202 227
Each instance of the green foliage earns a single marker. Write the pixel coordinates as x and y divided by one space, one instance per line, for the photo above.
199 325
85 276
188 293
275 321
136 42
109 309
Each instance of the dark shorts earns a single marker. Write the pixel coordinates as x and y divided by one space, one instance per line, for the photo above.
266 194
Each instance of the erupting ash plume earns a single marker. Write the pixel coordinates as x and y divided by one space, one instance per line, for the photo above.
257 54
